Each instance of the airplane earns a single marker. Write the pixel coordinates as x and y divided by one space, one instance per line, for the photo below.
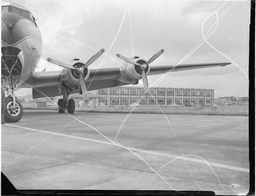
22 48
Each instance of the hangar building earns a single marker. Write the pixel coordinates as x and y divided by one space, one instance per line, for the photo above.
127 96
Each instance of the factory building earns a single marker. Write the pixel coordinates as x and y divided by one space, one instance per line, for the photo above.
129 96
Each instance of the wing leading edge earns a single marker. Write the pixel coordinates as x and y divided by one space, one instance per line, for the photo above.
154 70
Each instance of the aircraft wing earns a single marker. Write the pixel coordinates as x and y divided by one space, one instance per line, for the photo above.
51 83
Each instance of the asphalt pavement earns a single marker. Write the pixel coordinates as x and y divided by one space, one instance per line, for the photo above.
47 150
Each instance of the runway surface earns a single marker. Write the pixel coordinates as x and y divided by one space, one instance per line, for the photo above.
47 150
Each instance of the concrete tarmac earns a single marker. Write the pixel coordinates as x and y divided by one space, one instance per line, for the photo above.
47 150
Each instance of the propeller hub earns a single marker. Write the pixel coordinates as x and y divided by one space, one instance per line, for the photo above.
144 66
80 70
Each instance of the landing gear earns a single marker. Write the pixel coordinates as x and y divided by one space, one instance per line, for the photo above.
64 104
12 62
71 106
14 110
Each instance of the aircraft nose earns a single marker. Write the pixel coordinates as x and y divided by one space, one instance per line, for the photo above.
9 20
14 28
10 26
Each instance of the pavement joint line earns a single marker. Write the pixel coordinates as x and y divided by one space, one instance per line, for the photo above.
138 150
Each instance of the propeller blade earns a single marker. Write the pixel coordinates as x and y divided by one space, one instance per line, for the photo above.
127 59
59 63
155 56
145 81
94 58
83 85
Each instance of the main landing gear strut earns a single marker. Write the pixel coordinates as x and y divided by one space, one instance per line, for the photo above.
66 103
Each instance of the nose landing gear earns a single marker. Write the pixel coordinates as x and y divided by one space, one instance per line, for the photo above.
12 62
14 109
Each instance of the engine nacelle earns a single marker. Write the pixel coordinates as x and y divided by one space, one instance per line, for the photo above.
71 77
134 72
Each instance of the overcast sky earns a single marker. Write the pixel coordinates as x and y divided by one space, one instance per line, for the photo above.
78 28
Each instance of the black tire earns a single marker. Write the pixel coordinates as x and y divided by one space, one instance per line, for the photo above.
13 114
71 106
62 105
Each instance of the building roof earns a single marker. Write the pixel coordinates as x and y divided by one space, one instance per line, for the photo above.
171 88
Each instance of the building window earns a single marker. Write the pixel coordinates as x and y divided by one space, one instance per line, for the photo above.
114 91
194 93
114 100
151 101
103 91
141 92
194 101
208 101
143 101
103 101
153 92
134 100
186 101
170 101
170 93
160 92
133 92
186 93
124 91
178 101
208 94
178 92
201 93
201 102
160 101
124 101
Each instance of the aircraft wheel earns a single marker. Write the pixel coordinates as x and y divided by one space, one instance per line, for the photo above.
71 106
62 106
13 112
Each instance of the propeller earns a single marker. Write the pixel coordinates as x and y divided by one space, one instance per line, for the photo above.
143 66
80 68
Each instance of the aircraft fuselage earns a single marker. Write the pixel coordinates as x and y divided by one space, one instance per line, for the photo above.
21 44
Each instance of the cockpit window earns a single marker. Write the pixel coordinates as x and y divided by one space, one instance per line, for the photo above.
4 9
19 11
14 10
